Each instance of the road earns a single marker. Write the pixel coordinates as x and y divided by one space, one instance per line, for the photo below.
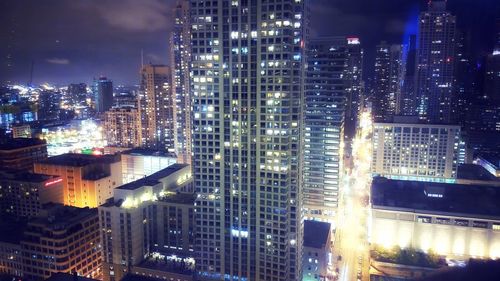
351 242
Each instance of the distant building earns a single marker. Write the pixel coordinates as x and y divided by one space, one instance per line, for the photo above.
407 104
325 98
317 250
21 131
49 105
138 163
77 94
88 180
21 153
122 127
454 220
103 94
389 76
435 63
23 194
62 239
416 151
157 108
180 57
149 220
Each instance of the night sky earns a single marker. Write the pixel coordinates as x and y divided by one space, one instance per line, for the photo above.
76 40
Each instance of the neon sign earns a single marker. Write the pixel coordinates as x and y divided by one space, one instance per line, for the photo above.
53 182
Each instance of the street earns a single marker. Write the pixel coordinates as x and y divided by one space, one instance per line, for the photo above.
351 245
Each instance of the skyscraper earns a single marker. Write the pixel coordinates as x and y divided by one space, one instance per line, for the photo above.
389 75
354 84
121 126
157 107
180 52
324 101
435 62
407 104
247 91
103 94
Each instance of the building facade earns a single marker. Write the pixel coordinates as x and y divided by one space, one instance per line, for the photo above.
452 220
138 163
88 180
416 151
353 78
23 194
389 76
180 53
324 100
22 153
247 66
103 94
157 107
317 249
435 63
122 127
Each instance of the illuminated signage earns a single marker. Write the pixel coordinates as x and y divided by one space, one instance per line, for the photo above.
53 182
353 40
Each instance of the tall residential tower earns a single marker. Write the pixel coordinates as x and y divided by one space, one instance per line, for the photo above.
247 92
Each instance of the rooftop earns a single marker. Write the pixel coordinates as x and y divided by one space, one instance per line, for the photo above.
441 198
179 198
60 276
148 152
57 216
316 234
475 172
24 176
494 160
153 178
79 160
18 143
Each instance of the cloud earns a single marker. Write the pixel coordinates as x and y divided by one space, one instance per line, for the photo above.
134 15
57 61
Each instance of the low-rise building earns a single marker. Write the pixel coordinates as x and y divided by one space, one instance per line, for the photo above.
317 245
22 194
88 180
455 220
21 153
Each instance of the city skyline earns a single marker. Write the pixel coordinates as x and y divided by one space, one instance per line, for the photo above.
72 42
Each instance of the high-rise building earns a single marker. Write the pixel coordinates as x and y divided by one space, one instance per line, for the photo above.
413 151
180 52
324 101
149 221
22 194
22 153
247 115
103 94
121 127
407 104
61 239
353 78
78 94
435 63
49 105
389 76
88 180
157 107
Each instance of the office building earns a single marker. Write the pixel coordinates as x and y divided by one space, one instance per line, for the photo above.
150 220
435 63
22 194
247 115
138 163
389 76
21 153
103 94
88 180
353 78
122 127
454 220
416 151
61 239
317 250
325 99
157 107
49 105
180 56
407 104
